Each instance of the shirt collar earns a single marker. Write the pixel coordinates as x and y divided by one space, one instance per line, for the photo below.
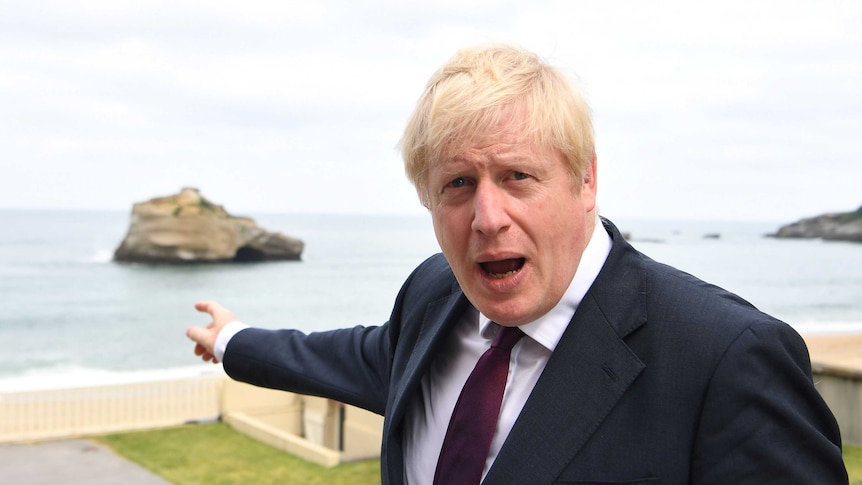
548 329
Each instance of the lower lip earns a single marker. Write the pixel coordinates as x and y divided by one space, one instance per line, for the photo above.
502 285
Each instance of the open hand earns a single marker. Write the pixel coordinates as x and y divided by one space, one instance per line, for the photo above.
205 337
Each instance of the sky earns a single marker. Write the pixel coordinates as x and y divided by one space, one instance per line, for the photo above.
731 110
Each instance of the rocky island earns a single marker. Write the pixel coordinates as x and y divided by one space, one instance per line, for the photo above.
842 226
187 228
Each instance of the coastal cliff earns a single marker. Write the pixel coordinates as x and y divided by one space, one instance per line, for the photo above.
843 226
188 228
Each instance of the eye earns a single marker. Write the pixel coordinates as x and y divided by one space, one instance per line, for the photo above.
520 176
458 182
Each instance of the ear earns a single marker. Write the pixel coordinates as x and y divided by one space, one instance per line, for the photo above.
589 186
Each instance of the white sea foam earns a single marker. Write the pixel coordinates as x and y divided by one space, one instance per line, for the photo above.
76 377
828 328
100 256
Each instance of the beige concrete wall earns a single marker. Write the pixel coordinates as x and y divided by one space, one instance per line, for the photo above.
321 421
282 410
836 362
363 434
319 430
285 441
842 392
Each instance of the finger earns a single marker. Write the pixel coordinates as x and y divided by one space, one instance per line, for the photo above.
220 315
211 307
202 337
208 357
195 334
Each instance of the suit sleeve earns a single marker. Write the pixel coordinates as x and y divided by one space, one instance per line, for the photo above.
763 422
349 365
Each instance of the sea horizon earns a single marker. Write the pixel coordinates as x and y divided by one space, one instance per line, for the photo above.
73 318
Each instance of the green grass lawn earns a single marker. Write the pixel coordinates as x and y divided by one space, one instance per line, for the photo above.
853 462
214 454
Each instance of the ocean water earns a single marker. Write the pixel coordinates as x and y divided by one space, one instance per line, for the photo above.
69 316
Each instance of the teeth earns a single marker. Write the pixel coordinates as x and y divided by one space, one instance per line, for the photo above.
500 276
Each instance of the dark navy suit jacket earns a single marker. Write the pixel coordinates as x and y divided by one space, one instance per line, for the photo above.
659 378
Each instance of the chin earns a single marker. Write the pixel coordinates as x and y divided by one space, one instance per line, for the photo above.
507 317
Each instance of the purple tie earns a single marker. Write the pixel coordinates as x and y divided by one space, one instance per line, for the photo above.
474 419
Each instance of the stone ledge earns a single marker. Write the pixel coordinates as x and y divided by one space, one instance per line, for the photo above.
282 440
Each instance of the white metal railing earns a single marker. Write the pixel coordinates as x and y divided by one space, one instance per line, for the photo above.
35 415
316 429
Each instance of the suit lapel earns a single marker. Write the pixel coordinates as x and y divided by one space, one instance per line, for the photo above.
439 319
570 400
421 347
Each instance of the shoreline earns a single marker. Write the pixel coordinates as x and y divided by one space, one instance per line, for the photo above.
835 349
72 378
836 353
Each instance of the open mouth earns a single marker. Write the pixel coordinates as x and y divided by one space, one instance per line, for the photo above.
503 268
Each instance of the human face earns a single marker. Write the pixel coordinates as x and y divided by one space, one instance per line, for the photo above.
512 224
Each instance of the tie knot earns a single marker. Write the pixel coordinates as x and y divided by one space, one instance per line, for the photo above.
507 337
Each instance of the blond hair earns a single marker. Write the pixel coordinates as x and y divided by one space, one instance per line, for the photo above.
466 99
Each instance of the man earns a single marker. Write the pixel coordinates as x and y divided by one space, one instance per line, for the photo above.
630 371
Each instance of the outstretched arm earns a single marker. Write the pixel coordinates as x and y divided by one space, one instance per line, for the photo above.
205 337
349 365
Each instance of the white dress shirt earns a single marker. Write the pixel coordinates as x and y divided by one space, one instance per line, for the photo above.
428 416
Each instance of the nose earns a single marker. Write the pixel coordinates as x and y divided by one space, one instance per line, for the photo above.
490 210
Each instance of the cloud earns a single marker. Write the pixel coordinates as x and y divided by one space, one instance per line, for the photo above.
722 110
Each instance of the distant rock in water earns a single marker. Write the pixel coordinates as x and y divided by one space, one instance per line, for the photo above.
845 226
188 228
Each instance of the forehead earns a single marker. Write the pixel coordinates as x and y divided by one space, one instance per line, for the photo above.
507 136
503 148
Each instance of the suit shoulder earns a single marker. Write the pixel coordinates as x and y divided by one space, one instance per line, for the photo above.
664 280
433 279
695 307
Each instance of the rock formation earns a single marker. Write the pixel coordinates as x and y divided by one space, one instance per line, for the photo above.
844 226
188 228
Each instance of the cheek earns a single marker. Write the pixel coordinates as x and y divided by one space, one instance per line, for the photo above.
566 234
454 241
444 228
